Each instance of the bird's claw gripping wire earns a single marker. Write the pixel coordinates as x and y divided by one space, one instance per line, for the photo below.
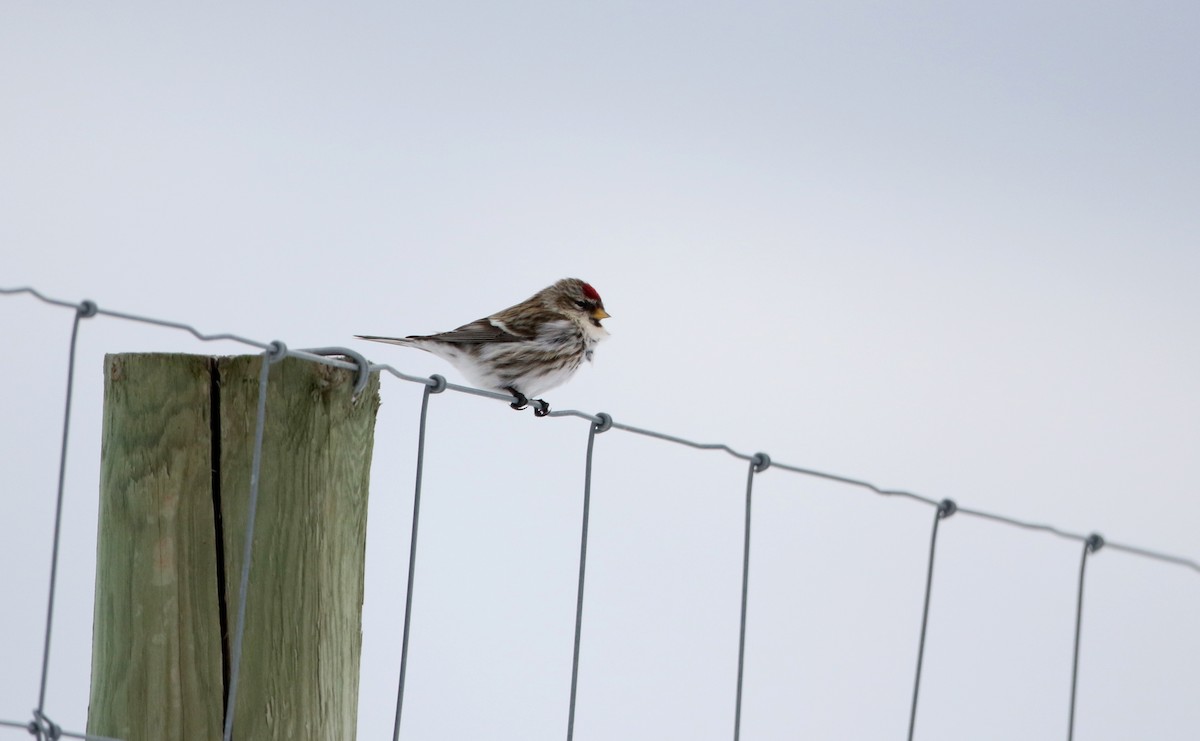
540 407
521 402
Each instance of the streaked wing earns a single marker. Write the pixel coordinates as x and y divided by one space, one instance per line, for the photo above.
526 320
479 331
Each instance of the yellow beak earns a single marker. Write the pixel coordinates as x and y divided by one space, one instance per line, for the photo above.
599 313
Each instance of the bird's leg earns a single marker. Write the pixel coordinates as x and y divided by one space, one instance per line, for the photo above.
521 401
540 408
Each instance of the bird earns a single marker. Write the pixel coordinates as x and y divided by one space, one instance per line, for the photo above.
526 349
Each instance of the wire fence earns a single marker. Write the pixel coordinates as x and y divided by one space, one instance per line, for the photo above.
43 728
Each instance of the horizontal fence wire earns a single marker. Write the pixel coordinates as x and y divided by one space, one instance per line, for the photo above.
43 728
597 419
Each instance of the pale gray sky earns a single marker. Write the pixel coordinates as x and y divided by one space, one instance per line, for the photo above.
947 248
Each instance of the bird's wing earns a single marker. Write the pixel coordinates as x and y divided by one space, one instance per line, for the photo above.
477 332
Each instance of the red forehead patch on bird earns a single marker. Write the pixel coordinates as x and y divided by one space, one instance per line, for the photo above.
590 292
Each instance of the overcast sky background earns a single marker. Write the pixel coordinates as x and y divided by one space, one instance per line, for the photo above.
951 248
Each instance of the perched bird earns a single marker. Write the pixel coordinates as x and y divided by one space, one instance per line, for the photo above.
526 349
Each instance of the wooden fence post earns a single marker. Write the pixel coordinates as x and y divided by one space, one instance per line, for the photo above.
174 489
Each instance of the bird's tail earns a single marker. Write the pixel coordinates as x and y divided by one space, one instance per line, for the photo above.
407 341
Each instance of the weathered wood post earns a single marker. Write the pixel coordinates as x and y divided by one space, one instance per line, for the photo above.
174 488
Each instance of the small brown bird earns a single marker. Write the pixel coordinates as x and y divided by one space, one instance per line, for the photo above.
526 349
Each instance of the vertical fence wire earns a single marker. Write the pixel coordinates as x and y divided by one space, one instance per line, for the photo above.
945 508
1093 544
603 426
440 385
758 463
83 311
277 352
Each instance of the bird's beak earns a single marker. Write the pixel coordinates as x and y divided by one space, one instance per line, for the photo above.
599 313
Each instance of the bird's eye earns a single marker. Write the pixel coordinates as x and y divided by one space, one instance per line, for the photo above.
583 305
